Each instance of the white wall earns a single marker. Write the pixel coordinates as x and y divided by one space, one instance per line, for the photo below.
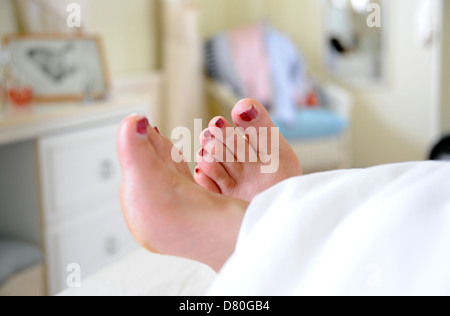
129 32
128 28
396 122
8 22
298 18
445 86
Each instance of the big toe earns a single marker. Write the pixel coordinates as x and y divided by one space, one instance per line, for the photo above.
133 144
258 127
249 112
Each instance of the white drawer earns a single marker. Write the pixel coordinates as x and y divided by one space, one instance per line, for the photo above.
79 171
91 244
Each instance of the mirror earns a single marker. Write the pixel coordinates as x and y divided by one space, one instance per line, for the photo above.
355 41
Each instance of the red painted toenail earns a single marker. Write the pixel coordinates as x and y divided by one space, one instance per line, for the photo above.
249 115
142 126
202 152
220 123
157 130
197 170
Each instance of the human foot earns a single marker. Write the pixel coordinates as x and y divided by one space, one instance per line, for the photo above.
264 159
166 211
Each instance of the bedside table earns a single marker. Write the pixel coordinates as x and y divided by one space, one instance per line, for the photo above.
80 190
60 184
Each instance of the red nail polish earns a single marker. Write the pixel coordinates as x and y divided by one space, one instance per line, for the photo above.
197 170
142 126
249 115
202 152
220 123
157 130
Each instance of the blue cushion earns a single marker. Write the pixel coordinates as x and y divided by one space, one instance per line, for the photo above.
313 123
16 256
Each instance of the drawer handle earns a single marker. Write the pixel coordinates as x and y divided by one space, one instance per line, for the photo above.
111 246
106 169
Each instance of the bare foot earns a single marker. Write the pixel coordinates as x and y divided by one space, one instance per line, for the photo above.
166 211
264 159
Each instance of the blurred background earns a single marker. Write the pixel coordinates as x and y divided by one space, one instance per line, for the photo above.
350 83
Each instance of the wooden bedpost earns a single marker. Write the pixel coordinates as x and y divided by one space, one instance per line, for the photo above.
182 61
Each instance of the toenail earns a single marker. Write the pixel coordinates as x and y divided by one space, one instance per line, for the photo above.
197 170
207 134
157 130
142 126
249 115
220 123
202 152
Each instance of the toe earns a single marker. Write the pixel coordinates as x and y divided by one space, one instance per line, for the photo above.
249 112
133 143
205 137
219 128
219 122
236 143
206 182
256 123
222 130
215 171
139 161
260 130
223 155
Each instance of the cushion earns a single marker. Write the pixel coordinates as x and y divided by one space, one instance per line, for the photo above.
16 256
313 123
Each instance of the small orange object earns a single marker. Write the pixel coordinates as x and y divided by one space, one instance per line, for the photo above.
312 99
21 96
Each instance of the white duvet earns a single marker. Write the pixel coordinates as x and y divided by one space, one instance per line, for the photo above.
378 231
142 273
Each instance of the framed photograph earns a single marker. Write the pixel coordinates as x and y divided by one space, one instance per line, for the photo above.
60 67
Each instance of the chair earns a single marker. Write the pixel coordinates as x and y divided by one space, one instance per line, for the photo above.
319 135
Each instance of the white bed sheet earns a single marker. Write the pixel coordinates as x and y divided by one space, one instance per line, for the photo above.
142 273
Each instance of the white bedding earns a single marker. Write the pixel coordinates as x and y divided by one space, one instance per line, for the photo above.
145 274
379 231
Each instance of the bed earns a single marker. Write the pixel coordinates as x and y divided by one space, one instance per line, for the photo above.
377 231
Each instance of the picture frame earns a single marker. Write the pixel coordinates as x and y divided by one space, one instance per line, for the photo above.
60 67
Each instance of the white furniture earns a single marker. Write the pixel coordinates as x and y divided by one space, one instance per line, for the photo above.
333 152
142 273
61 182
80 183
